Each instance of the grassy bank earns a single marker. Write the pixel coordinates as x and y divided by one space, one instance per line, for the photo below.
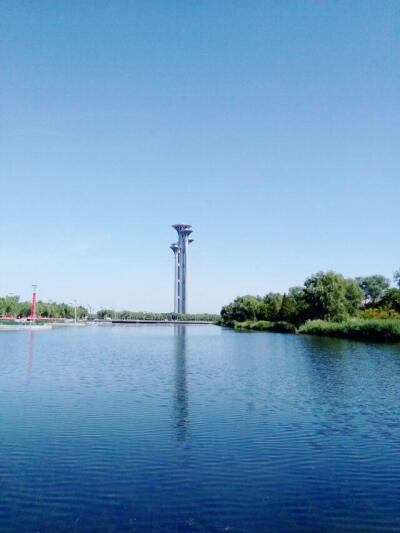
263 325
373 329
369 330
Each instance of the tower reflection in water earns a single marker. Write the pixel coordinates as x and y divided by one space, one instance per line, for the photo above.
30 355
181 406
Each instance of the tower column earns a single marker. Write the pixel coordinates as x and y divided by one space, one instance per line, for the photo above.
179 282
176 296
184 272
175 248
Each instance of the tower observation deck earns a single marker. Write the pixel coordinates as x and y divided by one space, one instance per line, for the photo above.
180 250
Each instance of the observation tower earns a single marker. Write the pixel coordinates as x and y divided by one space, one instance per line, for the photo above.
180 250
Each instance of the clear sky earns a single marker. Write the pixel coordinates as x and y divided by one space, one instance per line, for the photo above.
270 126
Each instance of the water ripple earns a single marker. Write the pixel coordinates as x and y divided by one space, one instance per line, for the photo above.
197 429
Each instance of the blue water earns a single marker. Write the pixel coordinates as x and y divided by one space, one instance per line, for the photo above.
197 428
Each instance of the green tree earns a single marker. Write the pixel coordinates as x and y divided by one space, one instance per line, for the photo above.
42 309
331 297
354 296
396 277
297 295
81 312
241 309
105 313
287 312
9 306
262 310
373 287
391 300
273 303
24 309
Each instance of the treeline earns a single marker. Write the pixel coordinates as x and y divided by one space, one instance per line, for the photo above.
326 296
12 306
139 315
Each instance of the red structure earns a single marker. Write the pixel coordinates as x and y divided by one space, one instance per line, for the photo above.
33 306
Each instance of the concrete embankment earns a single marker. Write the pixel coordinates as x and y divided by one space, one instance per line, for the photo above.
21 327
41 327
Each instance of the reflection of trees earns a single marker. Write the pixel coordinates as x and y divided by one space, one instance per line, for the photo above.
30 355
181 396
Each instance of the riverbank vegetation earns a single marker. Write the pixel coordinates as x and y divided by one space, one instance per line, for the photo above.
365 308
11 306
139 315
365 329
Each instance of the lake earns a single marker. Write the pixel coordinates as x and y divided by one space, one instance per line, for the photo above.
197 428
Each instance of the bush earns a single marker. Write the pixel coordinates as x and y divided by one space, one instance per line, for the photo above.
259 325
379 313
264 325
365 329
374 329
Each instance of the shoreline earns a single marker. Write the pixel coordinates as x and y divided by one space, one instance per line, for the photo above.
385 330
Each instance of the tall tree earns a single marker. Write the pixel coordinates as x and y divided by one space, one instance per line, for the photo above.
242 308
391 300
373 287
297 294
273 302
396 277
287 311
331 297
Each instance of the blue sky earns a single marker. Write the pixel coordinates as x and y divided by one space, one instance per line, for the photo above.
271 127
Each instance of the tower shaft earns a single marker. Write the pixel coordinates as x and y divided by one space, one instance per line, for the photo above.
176 288
175 248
